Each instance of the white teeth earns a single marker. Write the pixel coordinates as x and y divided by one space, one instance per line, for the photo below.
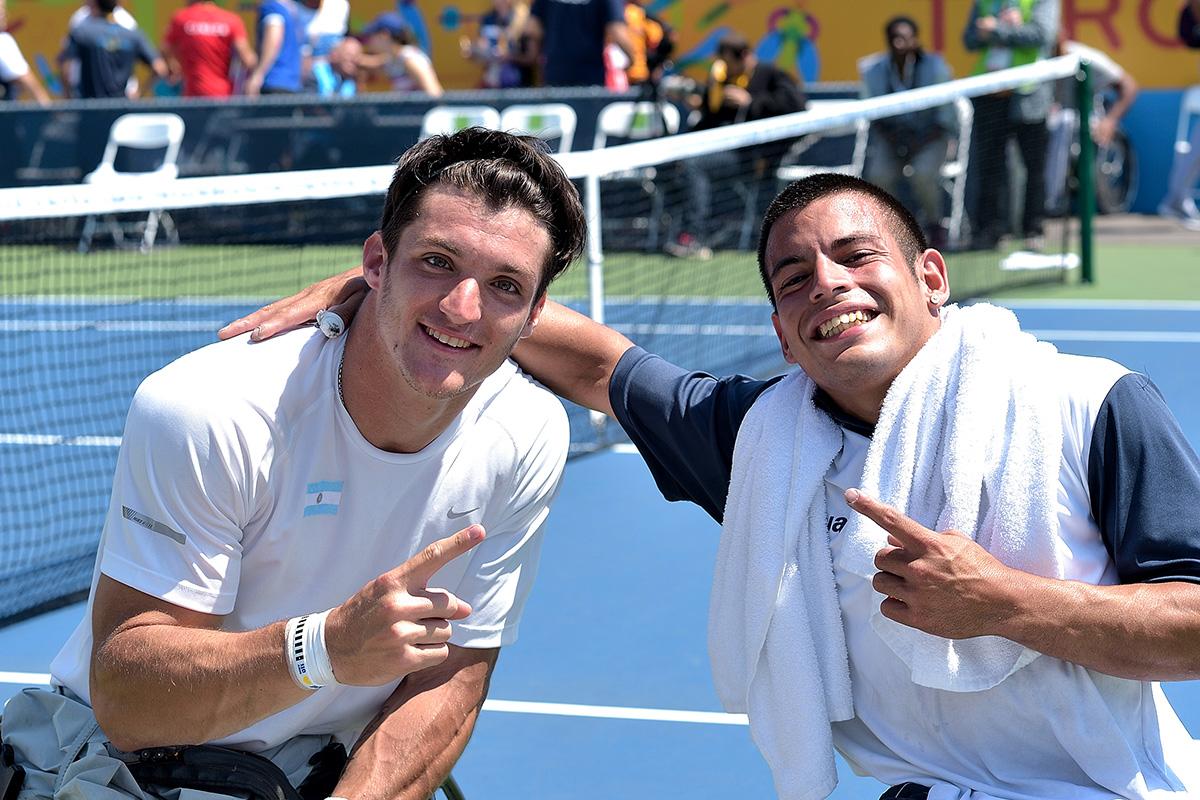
842 322
450 340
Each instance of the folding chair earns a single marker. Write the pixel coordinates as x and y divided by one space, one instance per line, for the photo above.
546 121
954 171
627 120
137 132
444 120
850 142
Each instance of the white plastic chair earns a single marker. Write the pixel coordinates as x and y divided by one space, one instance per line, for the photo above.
546 121
954 171
137 132
791 166
444 120
627 120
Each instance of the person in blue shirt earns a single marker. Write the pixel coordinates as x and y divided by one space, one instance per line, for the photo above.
280 43
572 35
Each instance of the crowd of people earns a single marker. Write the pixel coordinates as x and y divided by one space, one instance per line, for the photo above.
306 46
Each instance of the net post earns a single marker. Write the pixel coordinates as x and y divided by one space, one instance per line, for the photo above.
1087 178
595 256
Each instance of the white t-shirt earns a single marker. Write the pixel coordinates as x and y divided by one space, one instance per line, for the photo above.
1015 738
243 488
12 64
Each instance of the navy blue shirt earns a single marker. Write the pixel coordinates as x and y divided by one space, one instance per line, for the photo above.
107 54
573 39
1140 464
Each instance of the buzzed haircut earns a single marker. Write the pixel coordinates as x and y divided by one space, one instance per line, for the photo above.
503 170
806 191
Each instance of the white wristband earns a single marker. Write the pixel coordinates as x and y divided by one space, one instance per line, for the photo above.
308 658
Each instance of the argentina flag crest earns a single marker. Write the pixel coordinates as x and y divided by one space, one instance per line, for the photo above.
323 498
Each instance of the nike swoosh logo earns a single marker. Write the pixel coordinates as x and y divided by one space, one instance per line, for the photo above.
452 514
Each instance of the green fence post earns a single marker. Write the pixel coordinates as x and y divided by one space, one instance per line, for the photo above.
1086 171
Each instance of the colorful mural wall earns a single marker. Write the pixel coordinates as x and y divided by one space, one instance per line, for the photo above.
818 39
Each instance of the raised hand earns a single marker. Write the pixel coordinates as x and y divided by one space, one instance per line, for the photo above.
396 624
342 293
943 583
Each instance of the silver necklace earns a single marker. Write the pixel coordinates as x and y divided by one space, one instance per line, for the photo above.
341 363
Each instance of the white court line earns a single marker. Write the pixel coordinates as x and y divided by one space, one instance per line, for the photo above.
523 707
25 678
633 329
108 326
1158 337
1101 305
63 441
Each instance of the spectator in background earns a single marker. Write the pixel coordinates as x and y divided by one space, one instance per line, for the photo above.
199 47
909 149
502 46
570 35
653 41
70 70
390 49
325 23
740 88
106 52
1107 75
15 74
1179 203
341 79
1009 33
280 39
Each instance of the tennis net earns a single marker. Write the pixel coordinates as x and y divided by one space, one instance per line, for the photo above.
92 306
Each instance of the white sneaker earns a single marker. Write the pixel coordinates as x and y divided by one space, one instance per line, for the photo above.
1185 211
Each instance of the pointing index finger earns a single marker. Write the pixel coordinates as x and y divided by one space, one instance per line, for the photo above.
423 565
904 529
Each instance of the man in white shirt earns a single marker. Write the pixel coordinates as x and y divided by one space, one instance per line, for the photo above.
281 514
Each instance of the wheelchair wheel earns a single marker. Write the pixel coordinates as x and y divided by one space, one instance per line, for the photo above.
1116 176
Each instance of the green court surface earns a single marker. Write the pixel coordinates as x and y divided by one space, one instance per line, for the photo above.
1168 272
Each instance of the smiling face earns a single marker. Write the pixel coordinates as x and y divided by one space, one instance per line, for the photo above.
851 310
457 292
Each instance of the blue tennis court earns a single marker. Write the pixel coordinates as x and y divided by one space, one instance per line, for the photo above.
608 692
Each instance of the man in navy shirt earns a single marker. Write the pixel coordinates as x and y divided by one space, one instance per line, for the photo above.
858 303
108 52
572 35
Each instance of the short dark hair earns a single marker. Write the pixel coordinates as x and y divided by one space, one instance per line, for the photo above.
890 29
106 6
503 170
806 191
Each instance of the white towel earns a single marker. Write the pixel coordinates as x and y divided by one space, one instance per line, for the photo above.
968 421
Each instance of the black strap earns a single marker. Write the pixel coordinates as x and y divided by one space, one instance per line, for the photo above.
906 791
212 769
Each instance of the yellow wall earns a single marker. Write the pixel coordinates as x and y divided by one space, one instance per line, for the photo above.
821 39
